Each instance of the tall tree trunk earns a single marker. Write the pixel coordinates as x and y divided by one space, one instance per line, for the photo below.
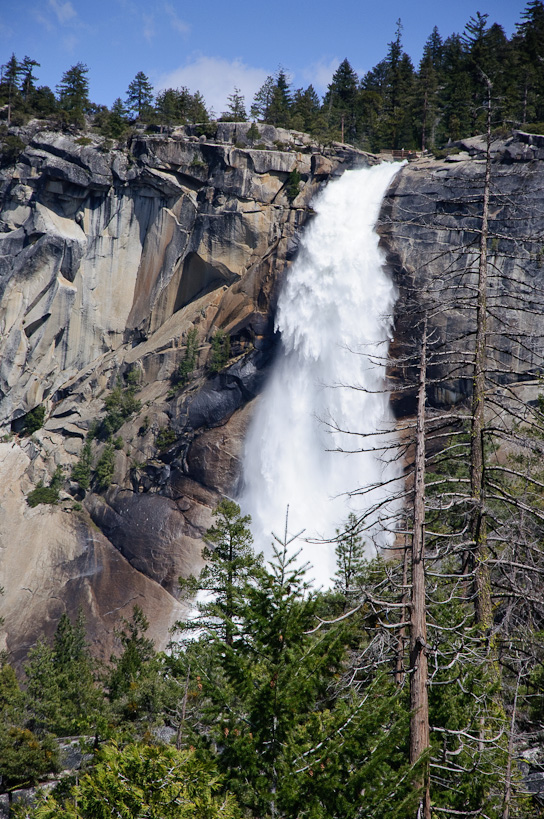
401 637
483 611
508 777
419 704
424 123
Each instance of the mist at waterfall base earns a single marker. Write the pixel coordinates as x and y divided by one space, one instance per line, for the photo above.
335 320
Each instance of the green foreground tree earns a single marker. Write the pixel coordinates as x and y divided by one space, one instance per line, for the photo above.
152 781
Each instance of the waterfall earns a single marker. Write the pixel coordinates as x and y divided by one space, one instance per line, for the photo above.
335 320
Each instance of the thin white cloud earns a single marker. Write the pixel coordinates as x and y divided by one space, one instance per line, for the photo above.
5 31
215 78
176 22
148 29
70 43
63 11
42 19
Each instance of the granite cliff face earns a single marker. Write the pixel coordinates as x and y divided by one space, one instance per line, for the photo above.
430 228
108 258
111 259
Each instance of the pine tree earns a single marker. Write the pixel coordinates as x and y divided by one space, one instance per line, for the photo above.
230 563
73 92
151 780
63 698
291 734
177 105
11 73
340 102
350 558
527 47
27 70
305 109
260 108
279 109
427 84
140 95
137 651
236 109
116 123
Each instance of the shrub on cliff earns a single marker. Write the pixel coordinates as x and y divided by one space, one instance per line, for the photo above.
81 471
11 146
121 405
34 420
293 185
47 494
220 351
181 374
105 466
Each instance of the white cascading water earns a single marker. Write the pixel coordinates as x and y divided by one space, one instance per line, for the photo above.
335 319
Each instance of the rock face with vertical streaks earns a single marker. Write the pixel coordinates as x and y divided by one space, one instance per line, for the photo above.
109 258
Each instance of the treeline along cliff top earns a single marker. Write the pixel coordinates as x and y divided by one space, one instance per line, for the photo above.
394 105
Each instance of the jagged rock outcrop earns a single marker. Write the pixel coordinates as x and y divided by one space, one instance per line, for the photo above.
109 256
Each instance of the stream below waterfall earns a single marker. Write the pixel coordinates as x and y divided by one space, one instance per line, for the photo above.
325 396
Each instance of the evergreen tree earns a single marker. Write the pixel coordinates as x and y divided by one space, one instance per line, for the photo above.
230 563
42 101
428 80
140 96
155 781
393 80
135 682
28 82
291 735
236 109
340 101
11 73
350 559
196 110
177 106
220 352
260 108
305 110
182 373
456 94
63 698
73 92
116 123
279 109
528 53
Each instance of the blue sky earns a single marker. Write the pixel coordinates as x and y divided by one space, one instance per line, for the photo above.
215 45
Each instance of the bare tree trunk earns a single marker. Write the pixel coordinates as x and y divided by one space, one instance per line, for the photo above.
419 704
508 774
183 710
399 667
483 611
